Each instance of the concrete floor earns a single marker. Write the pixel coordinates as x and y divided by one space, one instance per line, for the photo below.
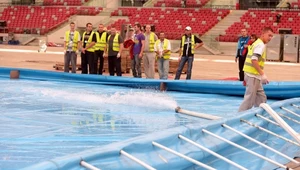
205 66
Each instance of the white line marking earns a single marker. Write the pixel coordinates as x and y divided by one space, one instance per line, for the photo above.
173 58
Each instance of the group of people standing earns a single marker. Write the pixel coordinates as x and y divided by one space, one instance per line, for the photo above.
94 46
144 46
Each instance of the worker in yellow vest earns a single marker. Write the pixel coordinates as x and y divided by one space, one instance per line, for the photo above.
149 54
102 36
162 48
113 51
189 43
88 50
71 46
255 76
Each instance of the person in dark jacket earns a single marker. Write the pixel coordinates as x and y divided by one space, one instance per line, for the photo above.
242 44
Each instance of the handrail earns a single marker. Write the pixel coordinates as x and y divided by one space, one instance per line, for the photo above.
270 132
245 149
260 143
183 156
280 121
212 152
137 160
88 166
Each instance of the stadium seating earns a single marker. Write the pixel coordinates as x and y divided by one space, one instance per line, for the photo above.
42 19
172 20
178 3
295 4
255 20
64 2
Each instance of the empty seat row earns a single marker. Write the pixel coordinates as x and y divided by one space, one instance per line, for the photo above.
170 20
255 20
19 18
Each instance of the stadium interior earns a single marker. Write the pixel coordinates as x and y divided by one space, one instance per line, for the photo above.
215 21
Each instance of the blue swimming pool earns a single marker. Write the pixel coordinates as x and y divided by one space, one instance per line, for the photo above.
54 116
42 120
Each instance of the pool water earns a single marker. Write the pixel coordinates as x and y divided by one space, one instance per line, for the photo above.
42 120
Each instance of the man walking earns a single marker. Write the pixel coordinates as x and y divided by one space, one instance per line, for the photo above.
113 51
242 44
101 36
255 76
149 54
162 49
189 43
138 50
88 51
71 45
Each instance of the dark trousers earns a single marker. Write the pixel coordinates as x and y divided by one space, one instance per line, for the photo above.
114 65
241 67
87 62
183 60
99 55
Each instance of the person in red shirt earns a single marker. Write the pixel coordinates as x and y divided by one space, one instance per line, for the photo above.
128 43
253 38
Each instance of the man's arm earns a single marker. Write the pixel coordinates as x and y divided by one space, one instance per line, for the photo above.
65 43
257 67
94 39
198 42
121 46
79 44
168 48
142 48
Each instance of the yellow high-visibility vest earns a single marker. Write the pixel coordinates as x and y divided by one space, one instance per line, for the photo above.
116 44
92 49
165 47
101 41
248 67
75 40
151 41
193 43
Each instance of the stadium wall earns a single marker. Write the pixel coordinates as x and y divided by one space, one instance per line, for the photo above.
57 36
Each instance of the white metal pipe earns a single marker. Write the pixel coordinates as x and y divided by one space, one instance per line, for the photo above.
183 156
289 118
291 112
296 106
245 149
196 114
270 132
212 152
268 120
281 122
88 166
137 160
260 143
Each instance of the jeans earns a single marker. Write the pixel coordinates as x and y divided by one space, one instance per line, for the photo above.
183 60
163 68
70 56
136 66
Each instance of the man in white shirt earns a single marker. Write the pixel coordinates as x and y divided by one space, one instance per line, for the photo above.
149 54
72 43
162 49
255 76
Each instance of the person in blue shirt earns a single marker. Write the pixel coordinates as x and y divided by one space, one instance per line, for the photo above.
240 58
